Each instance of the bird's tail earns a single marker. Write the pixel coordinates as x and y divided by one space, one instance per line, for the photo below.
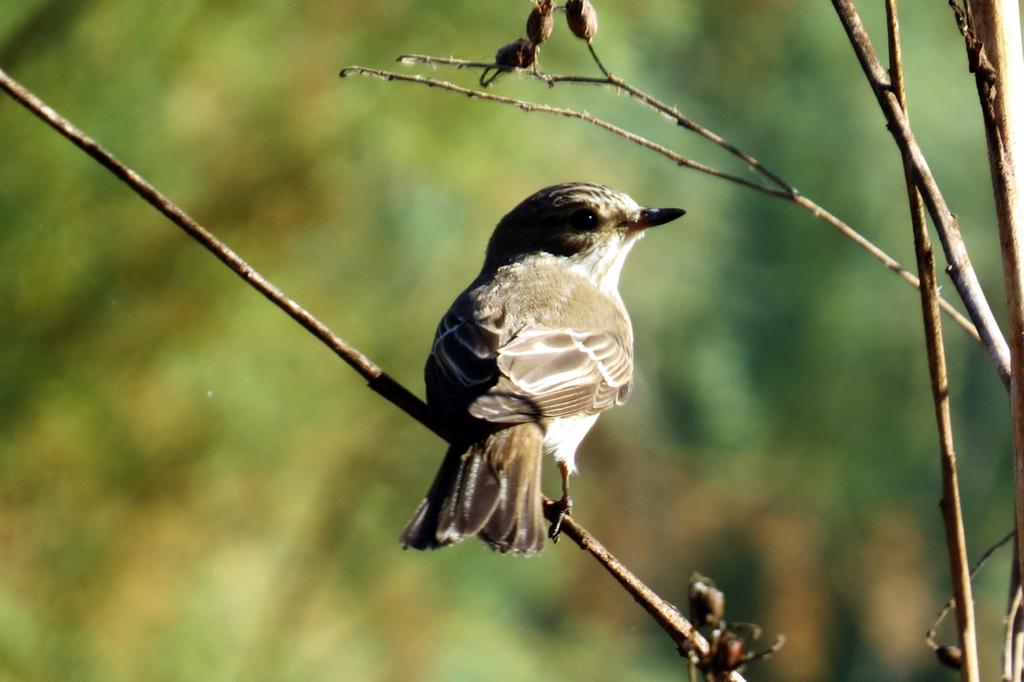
490 489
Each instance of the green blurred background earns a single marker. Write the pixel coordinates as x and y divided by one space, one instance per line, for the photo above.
192 488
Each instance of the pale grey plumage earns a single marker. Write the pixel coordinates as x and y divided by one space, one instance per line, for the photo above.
506 359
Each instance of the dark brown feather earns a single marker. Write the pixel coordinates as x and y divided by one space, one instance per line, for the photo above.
490 488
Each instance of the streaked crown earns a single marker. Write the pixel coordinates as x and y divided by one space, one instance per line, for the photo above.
563 220
593 226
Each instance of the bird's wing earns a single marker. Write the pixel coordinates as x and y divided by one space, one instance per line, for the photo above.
546 373
462 364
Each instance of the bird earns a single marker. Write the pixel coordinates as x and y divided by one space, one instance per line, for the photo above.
525 360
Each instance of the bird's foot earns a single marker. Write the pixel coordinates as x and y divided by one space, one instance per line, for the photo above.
562 508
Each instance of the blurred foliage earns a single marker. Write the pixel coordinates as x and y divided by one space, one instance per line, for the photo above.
191 488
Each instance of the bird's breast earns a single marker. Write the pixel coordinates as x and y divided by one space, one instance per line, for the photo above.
548 291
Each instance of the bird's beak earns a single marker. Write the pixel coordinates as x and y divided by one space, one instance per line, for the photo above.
649 217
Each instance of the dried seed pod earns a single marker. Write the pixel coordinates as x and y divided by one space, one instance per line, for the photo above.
707 602
541 21
950 656
727 652
582 18
516 55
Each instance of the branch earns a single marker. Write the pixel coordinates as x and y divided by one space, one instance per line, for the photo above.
952 517
976 567
620 85
374 375
666 615
992 34
784 190
678 159
960 269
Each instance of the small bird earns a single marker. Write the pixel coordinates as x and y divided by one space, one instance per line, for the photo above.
525 360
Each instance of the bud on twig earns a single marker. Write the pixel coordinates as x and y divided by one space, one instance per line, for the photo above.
950 656
516 55
541 21
707 602
582 18
727 653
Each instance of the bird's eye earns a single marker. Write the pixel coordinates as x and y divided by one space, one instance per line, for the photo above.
583 219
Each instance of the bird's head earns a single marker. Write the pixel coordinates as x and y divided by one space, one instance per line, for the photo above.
592 226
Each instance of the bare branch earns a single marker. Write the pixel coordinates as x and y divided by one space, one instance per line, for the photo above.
667 616
376 378
620 85
992 36
891 263
524 105
952 516
960 269
976 567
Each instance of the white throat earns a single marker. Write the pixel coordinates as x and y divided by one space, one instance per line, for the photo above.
603 266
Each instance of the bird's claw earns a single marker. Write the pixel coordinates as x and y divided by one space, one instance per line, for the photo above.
562 508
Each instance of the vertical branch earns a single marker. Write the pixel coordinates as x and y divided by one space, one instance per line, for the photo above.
950 503
993 37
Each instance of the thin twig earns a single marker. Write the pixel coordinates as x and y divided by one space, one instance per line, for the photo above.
785 191
666 615
376 378
891 263
636 93
960 269
952 516
597 60
663 613
975 570
452 61
678 159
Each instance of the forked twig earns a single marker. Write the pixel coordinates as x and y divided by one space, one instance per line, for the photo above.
636 93
666 615
951 602
678 159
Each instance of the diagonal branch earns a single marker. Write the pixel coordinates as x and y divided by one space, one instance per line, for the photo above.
559 111
960 269
786 191
376 378
664 613
636 93
952 516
